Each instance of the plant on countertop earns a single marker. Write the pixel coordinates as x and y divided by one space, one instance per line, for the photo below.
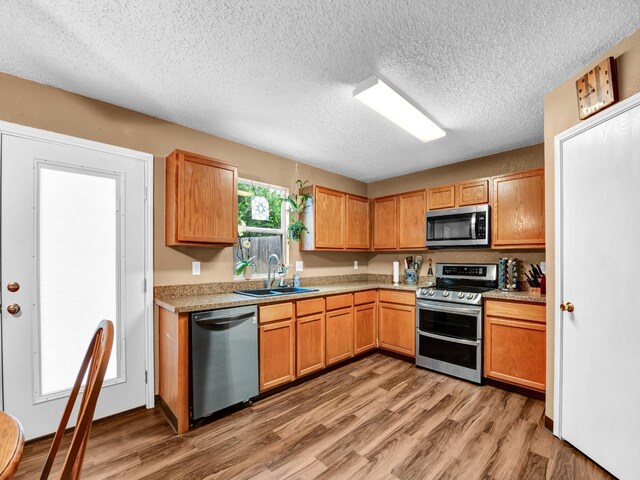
297 205
244 261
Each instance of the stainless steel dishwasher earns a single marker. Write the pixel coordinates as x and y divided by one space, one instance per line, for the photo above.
224 359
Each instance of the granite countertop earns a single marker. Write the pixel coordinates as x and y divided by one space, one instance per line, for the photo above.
514 296
195 303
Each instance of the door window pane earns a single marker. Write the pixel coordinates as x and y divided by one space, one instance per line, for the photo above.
78 270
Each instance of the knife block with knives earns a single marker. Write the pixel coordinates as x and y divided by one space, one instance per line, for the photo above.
537 281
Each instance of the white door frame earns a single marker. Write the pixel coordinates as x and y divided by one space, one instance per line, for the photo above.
582 127
147 158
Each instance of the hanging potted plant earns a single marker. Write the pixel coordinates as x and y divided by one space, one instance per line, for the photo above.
297 205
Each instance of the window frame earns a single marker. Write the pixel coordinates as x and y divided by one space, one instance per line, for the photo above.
284 222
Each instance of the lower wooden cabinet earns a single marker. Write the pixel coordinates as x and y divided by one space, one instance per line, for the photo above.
397 322
310 348
339 335
514 343
365 318
277 353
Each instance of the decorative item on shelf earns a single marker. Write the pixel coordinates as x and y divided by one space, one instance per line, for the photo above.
597 89
297 203
244 263
431 278
508 273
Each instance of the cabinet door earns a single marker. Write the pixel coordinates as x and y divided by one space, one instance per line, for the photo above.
442 197
309 344
329 218
358 231
277 358
365 330
515 352
201 201
473 193
397 328
384 223
518 210
412 208
339 330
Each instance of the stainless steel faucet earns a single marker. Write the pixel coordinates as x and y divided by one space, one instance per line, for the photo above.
270 273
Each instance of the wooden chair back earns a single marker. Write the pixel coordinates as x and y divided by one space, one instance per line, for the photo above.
95 361
11 445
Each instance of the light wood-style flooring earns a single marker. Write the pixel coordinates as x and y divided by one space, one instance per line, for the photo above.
377 418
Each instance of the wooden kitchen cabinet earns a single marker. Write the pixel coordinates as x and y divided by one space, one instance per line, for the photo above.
277 345
339 328
335 220
201 203
442 197
397 321
357 221
412 208
514 343
385 223
475 192
365 317
310 336
518 210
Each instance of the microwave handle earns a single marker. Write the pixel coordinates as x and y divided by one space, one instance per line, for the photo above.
474 234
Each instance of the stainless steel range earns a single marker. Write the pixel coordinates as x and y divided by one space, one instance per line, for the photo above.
449 319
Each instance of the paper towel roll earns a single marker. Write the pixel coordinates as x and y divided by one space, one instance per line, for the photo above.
396 271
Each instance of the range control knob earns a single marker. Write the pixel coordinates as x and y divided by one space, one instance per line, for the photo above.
445 293
432 292
470 296
461 295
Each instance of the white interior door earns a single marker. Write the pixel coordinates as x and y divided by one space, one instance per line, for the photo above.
74 240
598 229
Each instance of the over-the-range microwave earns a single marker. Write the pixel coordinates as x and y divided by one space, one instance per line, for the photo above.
459 227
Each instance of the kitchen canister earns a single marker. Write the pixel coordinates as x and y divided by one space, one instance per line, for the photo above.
508 273
410 276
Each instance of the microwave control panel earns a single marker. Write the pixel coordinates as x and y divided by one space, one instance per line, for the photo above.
481 226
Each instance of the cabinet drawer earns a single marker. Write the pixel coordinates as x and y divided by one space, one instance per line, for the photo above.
395 296
364 297
339 301
309 307
516 310
280 311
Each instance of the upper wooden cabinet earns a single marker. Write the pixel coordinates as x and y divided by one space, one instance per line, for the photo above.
358 230
399 221
201 202
465 194
412 208
518 210
442 197
336 221
385 223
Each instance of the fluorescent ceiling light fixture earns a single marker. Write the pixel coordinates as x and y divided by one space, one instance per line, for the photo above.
390 104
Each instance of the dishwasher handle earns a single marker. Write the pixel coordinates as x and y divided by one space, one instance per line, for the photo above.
215 322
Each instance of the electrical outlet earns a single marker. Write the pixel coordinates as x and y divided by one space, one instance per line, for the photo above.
195 268
299 265
355 264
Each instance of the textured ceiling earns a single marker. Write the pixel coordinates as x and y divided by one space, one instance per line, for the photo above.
279 75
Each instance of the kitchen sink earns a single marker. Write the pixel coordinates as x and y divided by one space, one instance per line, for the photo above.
274 292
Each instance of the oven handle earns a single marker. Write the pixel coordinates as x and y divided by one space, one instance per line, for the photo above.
471 310
474 343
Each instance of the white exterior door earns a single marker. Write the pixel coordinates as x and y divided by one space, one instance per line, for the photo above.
74 238
598 260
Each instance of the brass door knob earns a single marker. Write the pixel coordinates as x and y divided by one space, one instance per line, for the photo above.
13 286
13 308
568 307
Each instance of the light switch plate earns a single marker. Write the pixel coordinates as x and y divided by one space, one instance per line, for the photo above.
355 264
299 265
195 268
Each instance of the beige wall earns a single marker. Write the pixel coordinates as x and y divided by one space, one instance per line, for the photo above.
35 105
498 164
561 113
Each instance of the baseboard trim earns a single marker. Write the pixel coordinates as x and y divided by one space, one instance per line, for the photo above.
548 424
514 388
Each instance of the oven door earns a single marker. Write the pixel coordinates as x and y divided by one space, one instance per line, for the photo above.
449 320
457 357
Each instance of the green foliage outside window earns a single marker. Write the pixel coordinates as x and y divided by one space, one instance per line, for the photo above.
274 198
